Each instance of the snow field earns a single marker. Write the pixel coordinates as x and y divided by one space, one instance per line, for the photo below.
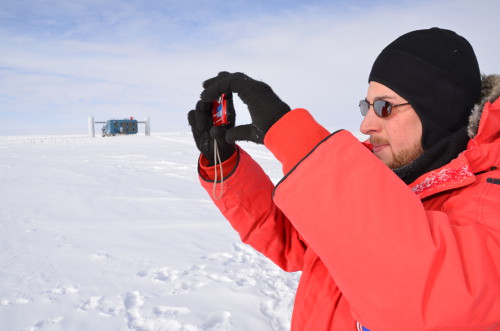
116 233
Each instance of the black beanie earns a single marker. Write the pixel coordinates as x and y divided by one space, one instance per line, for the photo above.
437 72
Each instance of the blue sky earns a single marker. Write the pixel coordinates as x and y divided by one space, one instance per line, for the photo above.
62 61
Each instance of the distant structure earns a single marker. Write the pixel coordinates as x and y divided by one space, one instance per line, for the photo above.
118 127
114 127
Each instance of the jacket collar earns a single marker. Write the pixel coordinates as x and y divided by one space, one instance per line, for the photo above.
455 174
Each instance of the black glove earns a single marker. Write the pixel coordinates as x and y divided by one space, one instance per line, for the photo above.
265 107
204 132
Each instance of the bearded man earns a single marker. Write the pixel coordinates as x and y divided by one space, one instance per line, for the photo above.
401 232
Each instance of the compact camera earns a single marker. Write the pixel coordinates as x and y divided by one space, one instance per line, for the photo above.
219 111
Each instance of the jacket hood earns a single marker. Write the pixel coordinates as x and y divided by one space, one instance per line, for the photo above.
490 91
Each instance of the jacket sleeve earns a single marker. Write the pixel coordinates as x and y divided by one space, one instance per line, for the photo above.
400 266
246 202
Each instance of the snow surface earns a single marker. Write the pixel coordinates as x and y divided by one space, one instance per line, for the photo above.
116 233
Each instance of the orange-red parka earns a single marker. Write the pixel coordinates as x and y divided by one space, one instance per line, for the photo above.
374 251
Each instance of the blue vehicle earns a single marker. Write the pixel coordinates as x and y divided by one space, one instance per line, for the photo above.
114 127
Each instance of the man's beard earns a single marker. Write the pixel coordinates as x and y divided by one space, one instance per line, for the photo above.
403 157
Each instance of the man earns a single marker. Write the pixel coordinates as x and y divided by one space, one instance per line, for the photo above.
401 232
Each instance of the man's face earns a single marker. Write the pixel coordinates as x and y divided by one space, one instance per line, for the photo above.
396 138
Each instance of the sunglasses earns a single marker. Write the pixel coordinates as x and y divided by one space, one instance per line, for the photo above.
382 108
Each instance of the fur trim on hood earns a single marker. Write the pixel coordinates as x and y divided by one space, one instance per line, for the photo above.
490 91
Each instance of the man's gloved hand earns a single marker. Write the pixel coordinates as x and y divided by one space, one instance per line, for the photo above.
204 132
265 107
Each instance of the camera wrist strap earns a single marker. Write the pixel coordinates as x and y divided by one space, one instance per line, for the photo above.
218 161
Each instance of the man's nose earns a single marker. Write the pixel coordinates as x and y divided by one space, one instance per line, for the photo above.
370 123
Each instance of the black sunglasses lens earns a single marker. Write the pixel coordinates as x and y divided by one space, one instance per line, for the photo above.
364 106
382 108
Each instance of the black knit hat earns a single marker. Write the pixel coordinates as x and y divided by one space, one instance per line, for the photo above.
437 72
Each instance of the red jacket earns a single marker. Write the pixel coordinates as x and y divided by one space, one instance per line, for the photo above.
372 249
